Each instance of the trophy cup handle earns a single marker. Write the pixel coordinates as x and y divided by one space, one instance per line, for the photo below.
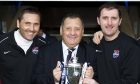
83 72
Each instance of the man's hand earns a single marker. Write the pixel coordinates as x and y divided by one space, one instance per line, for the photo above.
89 72
89 81
97 37
57 72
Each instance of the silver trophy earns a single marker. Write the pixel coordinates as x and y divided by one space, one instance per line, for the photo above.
74 70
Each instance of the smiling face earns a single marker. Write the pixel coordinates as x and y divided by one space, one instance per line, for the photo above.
29 25
72 31
109 21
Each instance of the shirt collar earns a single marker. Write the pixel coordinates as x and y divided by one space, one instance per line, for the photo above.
19 38
44 35
66 47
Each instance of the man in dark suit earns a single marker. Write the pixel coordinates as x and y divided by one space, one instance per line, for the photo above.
71 30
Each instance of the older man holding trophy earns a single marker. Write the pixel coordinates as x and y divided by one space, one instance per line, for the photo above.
62 62
70 70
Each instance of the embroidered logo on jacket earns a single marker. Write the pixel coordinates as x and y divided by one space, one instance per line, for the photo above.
116 53
35 50
6 52
98 51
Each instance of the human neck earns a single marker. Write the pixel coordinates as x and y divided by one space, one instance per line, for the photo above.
110 38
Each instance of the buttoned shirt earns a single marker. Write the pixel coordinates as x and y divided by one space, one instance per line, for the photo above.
65 52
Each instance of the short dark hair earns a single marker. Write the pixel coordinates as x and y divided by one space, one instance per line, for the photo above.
72 15
31 10
110 5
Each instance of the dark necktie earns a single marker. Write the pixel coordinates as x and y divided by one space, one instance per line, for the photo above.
64 71
69 54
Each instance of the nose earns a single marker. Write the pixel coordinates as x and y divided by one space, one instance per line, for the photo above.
72 31
31 27
109 21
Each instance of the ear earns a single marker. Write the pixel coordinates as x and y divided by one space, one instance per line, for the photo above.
98 21
18 23
60 30
120 22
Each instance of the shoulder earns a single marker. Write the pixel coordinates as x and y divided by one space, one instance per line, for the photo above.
129 43
92 45
54 47
50 39
139 41
40 39
6 37
127 39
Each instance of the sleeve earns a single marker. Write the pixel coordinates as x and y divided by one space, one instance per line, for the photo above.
91 57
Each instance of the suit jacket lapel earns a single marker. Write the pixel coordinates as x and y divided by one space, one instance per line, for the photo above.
61 51
81 53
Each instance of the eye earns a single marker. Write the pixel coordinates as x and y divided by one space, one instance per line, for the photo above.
27 23
105 18
77 28
36 24
114 18
67 28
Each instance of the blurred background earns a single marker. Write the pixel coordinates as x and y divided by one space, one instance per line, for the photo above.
53 12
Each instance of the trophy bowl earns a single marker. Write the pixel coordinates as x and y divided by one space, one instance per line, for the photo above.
74 72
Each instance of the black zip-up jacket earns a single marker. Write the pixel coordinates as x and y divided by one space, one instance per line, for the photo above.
117 61
16 66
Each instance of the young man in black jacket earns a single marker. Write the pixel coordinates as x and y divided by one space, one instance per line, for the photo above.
117 55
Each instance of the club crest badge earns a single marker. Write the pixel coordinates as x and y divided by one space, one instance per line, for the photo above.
116 53
35 50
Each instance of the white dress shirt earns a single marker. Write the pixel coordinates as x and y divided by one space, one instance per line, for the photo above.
65 54
65 51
